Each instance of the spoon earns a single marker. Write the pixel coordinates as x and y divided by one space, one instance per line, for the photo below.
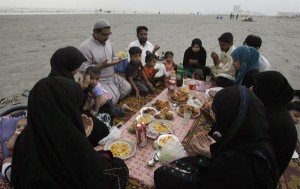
157 155
175 105
165 125
151 162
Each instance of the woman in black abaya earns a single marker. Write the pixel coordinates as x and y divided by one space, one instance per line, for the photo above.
65 62
276 92
53 151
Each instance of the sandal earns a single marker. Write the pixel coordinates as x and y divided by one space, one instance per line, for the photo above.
16 100
26 93
4 101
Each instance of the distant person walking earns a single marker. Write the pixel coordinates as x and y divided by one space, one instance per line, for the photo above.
237 16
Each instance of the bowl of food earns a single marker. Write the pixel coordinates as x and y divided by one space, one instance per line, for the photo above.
162 139
161 126
146 118
121 148
182 108
149 110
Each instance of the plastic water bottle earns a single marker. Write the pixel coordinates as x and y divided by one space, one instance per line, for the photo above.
179 76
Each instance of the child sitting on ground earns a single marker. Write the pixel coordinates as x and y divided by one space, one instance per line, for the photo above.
169 62
8 147
150 71
97 98
135 74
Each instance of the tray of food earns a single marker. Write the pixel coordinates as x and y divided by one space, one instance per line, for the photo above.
182 108
161 126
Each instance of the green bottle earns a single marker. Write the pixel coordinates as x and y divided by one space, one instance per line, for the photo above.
179 76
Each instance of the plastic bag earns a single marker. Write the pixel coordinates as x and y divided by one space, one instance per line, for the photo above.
114 134
171 151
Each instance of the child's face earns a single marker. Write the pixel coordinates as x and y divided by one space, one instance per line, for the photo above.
21 124
152 62
135 58
94 79
195 48
169 58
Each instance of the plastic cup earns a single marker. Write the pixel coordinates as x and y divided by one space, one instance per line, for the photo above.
187 116
207 78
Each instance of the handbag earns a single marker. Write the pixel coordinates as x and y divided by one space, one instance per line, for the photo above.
186 172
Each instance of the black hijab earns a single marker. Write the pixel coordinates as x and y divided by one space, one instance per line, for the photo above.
273 89
244 126
66 60
200 56
53 151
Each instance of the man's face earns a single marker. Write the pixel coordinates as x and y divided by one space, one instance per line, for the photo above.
103 36
135 58
142 36
224 46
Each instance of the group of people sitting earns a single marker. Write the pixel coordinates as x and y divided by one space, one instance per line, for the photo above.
254 133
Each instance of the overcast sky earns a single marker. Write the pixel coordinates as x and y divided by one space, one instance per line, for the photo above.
269 7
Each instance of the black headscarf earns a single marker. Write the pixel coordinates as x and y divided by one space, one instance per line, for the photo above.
53 151
200 56
66 60
245 123
273 89
241 120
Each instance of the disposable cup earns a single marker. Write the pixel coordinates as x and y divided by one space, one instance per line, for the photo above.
208 78
187 116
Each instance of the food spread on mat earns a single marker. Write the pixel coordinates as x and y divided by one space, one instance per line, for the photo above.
179 96
160 104
182 108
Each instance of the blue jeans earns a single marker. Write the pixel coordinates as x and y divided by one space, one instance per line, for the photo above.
142 87
113 111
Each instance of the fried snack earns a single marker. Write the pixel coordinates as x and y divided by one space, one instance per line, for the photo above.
161 115
194 110
120 149
159 105
179 96
212 93
169 115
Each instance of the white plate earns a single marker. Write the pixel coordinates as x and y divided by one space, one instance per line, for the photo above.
158 121
180 114
132 147
145 115
161 139
150 108
217 89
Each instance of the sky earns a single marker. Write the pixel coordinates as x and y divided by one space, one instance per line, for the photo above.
268 7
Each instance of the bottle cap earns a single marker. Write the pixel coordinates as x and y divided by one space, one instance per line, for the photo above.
138 125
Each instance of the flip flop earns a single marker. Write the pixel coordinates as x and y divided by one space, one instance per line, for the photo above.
4 101
16 100
26 93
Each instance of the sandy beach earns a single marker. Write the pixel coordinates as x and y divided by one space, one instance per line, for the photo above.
28 41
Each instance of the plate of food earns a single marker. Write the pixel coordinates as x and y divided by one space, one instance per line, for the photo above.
121 148
182 108
211 93
169 115
185 89
149 110
162 139
161 126
146 118
179 97
161 104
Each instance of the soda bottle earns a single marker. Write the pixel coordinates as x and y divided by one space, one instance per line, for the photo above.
179 76
141 135
172 81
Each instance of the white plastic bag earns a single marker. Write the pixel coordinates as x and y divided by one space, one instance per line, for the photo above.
114 134
171 151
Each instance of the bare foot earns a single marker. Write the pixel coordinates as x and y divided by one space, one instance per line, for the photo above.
126 108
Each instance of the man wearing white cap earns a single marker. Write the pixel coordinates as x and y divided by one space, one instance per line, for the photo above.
98 50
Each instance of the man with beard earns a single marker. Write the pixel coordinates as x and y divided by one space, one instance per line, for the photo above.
142 43
223 69
98 50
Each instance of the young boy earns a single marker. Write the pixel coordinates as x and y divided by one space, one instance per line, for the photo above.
98 98
150 70
8 148
135 74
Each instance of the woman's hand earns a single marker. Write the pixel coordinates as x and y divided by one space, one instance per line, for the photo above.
200 144
88 124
